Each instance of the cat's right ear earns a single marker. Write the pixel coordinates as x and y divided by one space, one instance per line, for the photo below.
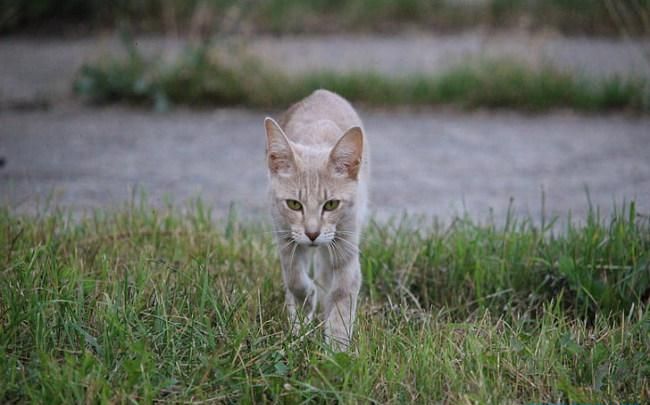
279 154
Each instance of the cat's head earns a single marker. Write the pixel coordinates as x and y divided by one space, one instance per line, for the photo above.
314 191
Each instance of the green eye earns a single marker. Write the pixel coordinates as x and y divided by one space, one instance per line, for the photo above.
294 205
331 205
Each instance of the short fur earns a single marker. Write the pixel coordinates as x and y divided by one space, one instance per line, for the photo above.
317 153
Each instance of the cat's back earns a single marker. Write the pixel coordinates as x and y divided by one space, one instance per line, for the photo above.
320 117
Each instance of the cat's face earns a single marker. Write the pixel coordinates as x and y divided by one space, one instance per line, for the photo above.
313 191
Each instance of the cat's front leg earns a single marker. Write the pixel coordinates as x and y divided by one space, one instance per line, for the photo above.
342 304
300 291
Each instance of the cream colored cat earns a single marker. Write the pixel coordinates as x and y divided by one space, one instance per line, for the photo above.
318 167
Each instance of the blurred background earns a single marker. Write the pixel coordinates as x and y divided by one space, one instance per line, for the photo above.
481 107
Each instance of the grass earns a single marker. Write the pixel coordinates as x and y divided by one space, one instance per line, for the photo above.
603 17
147 305
199 77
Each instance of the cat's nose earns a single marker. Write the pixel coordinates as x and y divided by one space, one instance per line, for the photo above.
312 235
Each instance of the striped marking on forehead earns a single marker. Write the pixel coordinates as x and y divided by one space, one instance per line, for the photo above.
310 186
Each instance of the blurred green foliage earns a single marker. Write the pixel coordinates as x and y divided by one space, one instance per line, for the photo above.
296 16
200 76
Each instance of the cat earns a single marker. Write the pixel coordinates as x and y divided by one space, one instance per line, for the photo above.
318 165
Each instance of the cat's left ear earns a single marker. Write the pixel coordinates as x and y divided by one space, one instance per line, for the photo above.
279 154
345 157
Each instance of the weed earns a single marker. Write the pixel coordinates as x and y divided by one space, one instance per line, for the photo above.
199 77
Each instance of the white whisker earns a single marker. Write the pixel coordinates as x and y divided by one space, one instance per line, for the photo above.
351 245
337 253
345 252
291 241
295 246
329 251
